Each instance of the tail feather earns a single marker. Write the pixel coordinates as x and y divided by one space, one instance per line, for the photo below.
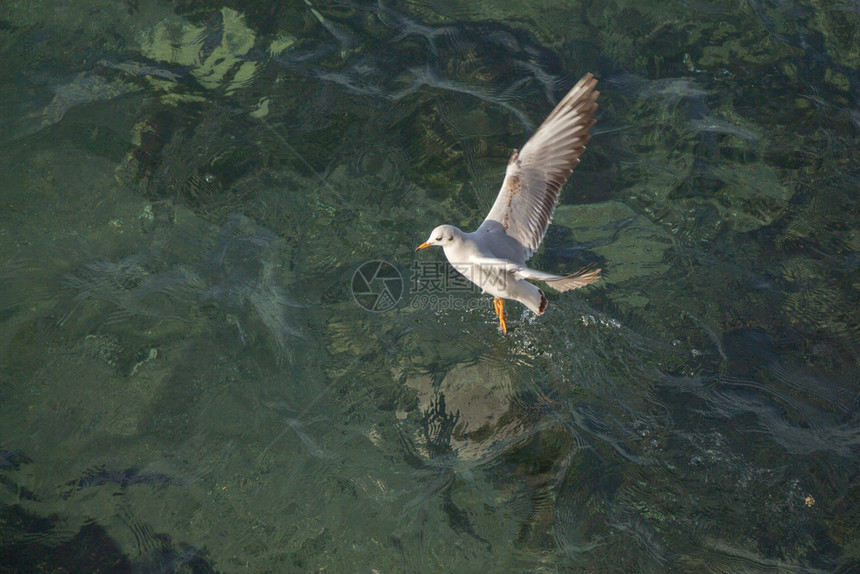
581 278
585 276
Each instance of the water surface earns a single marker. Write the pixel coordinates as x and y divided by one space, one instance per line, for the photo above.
190 380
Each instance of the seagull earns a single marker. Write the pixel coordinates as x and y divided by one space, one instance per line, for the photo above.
494 256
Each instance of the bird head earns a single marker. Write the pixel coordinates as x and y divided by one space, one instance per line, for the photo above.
443 236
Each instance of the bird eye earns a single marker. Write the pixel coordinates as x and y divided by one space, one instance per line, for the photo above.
439 238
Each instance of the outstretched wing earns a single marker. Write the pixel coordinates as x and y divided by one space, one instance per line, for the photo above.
535 176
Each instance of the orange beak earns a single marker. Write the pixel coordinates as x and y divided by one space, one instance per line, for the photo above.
423 246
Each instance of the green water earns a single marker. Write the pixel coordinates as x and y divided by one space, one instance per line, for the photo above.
193 377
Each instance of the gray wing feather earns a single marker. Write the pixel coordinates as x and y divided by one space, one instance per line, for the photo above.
535 176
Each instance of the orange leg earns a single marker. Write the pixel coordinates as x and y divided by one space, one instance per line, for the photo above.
499 305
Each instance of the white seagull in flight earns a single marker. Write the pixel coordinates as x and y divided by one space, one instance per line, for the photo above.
494 256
